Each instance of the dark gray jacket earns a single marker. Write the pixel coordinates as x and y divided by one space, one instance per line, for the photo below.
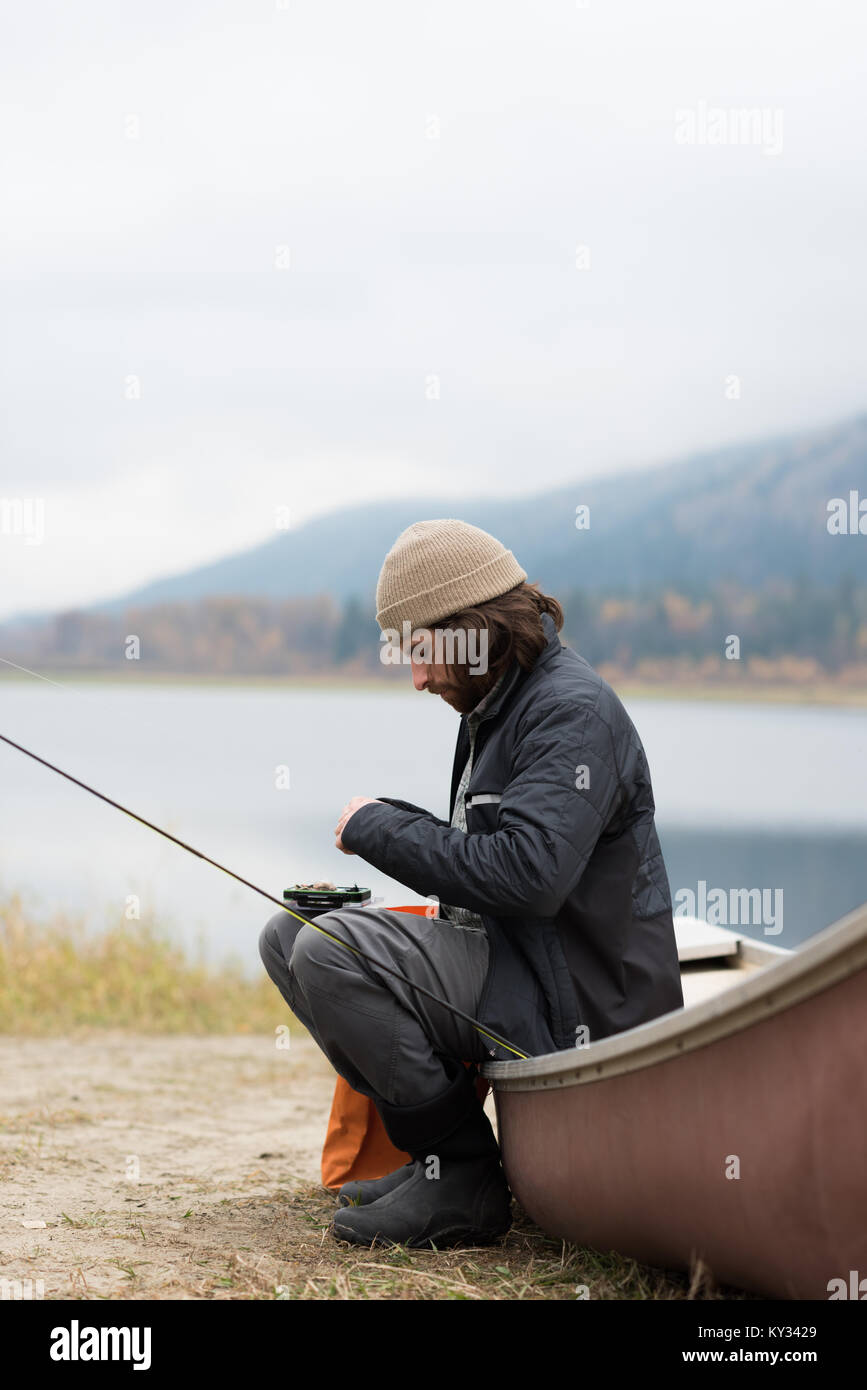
564 867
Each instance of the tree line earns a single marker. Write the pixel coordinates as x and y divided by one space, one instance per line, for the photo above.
797 627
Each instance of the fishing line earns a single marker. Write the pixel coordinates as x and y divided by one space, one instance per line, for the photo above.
420 989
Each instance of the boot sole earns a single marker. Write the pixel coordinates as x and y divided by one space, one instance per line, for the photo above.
456 1235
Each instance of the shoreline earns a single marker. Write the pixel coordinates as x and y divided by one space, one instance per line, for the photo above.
817 693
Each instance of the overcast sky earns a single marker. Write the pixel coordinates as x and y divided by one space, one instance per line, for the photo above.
303 253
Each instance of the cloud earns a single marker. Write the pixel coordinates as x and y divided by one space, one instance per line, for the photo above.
426 175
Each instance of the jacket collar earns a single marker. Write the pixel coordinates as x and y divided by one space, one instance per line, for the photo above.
515 675
512 679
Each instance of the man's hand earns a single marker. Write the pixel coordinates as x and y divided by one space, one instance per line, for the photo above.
349 810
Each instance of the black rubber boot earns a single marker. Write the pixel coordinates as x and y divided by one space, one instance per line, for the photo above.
359 1194
456 1191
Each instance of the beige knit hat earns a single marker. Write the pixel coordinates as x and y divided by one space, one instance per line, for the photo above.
437 568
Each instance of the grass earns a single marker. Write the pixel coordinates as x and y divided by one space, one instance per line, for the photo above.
56 977
527 1266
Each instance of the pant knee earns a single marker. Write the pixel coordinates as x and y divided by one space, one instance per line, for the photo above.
276 941
313 955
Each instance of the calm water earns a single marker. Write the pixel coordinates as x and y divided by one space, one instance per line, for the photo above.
747 796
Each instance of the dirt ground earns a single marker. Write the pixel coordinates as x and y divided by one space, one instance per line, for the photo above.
167 1167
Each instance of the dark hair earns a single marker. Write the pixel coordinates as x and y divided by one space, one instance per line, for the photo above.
515 633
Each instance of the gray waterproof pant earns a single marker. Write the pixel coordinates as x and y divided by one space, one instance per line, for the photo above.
382 1036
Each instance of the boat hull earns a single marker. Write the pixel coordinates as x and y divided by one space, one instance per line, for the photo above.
748 1153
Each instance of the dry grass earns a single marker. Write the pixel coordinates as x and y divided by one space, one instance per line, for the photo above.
300 1260
526 1266
56 980
56 977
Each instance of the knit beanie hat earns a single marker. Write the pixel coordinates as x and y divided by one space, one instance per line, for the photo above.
437 568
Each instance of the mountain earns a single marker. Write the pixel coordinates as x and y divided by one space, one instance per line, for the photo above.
750 512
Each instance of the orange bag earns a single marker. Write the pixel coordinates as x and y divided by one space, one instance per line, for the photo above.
356 1145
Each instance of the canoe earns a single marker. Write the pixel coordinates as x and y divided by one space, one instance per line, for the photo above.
732 1131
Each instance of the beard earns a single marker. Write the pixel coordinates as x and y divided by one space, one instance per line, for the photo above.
465 696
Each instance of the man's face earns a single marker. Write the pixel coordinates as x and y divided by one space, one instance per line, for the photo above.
435 679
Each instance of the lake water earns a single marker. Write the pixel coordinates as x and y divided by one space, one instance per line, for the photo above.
747 796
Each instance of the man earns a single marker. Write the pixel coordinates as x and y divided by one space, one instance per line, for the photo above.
555 924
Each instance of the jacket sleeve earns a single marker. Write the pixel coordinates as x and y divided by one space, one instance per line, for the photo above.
547 826
408 806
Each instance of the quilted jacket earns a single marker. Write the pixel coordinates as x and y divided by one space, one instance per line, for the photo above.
560 859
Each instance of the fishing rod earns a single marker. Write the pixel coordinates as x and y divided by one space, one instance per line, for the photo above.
420 989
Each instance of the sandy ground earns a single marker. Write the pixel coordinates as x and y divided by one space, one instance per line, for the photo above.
164 1167
154 1164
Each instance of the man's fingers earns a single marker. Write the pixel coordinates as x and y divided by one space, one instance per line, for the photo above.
349 810
338 843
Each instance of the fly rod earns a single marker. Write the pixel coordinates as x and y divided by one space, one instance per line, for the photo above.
420 989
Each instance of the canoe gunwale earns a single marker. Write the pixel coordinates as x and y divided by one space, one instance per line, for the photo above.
832 955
